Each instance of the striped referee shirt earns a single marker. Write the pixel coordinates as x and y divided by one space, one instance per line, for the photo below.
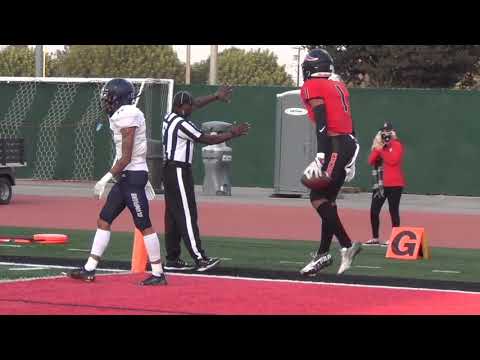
179 136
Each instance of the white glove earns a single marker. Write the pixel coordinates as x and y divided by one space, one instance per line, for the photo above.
100 185
315 168
350 173
149 191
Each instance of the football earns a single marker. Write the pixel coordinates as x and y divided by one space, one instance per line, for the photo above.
316 182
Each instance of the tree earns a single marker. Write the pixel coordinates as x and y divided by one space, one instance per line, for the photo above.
239 67
420 66
17 61
131 61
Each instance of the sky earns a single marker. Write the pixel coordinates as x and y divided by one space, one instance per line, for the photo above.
285 53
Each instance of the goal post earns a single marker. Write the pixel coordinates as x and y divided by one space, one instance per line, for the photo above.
66 132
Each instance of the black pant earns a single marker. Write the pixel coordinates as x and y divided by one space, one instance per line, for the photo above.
393 194
341 152
181 212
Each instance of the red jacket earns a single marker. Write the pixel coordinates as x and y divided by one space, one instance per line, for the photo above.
392 156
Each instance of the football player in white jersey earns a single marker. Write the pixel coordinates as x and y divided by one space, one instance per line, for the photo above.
132 188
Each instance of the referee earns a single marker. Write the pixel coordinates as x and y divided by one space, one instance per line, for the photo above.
179 137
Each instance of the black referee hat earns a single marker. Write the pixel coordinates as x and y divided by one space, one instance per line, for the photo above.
181 98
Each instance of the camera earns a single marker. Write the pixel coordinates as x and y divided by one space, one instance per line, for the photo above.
386 137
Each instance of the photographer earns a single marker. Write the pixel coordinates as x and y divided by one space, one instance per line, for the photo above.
386 158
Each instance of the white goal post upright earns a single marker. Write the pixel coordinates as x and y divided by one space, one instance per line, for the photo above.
63 111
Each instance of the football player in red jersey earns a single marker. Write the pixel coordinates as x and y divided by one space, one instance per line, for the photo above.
328 103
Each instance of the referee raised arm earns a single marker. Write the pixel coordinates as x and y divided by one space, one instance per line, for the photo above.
179 136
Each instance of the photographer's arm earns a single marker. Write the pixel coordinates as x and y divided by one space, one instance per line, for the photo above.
374 156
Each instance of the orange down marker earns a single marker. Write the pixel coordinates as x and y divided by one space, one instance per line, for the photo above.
408 243
139 253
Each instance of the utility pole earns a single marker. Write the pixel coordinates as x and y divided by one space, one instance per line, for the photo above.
213 65
187 74
39 61
297 59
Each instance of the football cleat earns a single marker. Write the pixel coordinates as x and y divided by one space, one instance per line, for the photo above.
348 255
155 280
207 263
82 274
319 262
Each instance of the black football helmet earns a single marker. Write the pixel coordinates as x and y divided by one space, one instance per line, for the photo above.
116 93
317 63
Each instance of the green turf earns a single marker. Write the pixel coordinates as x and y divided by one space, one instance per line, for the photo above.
259 254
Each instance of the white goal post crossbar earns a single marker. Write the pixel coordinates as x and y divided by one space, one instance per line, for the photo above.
170 82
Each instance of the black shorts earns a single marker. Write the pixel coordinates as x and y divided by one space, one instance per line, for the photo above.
129 191
341 153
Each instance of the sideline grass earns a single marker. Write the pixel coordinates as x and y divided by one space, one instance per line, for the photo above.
282 255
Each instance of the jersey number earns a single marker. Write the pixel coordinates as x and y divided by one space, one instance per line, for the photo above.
342 95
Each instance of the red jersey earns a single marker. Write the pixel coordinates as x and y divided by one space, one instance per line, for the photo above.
337 103
392 156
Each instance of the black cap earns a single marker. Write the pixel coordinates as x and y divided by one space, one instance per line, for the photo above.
387 125
182 97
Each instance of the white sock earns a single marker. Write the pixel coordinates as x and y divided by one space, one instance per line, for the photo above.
152 244
100 243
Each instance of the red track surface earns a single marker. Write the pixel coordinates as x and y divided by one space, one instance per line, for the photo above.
240 220
120 294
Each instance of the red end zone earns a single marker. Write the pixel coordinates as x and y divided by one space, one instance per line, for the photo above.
208 295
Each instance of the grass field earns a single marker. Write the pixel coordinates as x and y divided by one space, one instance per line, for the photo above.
268 255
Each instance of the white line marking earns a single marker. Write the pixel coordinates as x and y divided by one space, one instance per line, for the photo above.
226 259
329 284
447 271
29 268
367 267
60 267
53 277
86 250
7 245
291 262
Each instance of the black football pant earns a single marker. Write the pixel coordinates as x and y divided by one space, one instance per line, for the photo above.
181 212
393 195
341 153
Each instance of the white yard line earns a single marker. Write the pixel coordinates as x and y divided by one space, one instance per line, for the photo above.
9 245
29 269
85 250
447 271
59 267
315 283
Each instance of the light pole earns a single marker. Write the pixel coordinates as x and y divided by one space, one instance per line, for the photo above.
213 64
187 74
297 58
39 61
